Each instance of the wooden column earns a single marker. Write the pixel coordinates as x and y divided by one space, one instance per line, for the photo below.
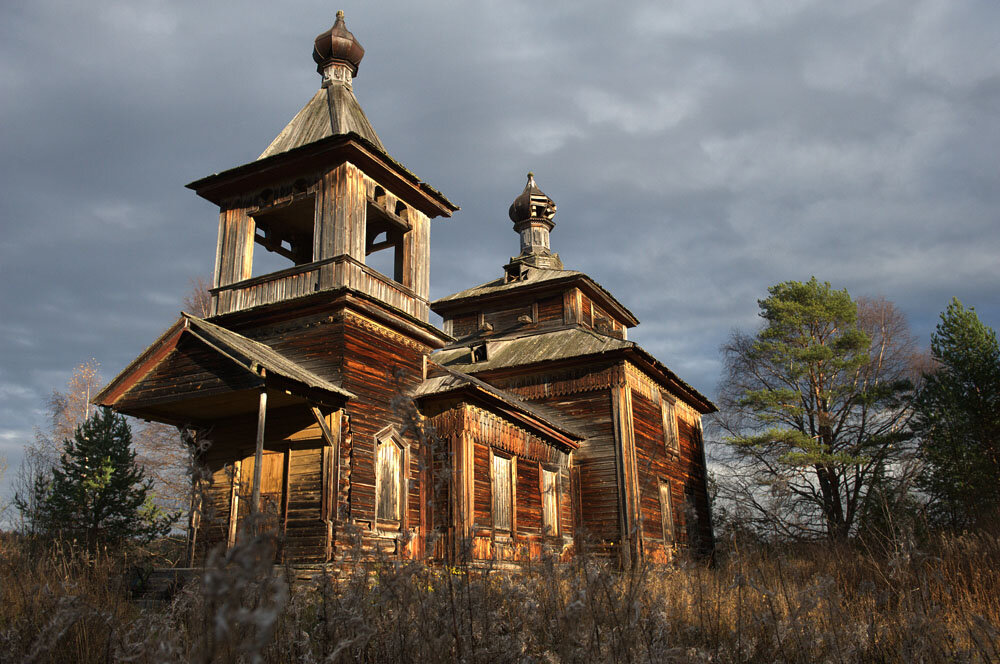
234 503
621 404
340 219
258 457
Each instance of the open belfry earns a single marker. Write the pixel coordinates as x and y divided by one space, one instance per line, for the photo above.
331 413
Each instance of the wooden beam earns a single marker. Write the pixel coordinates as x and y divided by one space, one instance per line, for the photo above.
332 438
391 216
258 458
234 502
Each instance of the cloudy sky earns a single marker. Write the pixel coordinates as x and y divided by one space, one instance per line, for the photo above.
699 151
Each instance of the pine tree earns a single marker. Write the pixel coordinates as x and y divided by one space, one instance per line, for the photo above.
97 493
957 417
814 404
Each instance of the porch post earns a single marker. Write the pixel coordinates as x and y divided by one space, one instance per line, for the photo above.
258 457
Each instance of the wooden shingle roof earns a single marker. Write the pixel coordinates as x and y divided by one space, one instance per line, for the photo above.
547 420
332 111
253 354
248 355
572 343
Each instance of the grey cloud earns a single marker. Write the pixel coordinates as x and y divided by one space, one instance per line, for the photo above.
698 151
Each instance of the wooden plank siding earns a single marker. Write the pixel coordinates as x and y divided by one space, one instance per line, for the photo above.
584 395
550 310
463 325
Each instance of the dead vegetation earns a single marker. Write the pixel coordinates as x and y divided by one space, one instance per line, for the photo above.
802 604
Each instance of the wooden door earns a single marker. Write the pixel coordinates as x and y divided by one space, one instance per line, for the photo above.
272 491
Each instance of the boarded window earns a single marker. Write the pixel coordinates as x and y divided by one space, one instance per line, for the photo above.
550 502
670 436
389 480
666 512
503 493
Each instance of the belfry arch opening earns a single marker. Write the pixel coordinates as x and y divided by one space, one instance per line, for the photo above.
284 229
385 232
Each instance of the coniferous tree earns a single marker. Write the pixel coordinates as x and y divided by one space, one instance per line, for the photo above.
957 418
814 405
97 492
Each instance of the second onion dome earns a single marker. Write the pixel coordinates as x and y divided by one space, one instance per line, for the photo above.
532 213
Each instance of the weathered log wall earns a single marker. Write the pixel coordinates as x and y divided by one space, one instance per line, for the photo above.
470 436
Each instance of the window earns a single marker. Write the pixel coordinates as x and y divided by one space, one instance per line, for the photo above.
479 353
670 436
550 502
666 511
503 492
390 469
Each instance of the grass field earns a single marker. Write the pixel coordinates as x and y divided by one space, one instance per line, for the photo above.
807 603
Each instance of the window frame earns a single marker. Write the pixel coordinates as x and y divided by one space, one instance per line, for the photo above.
556 530
671 432
389 436
511 460
667 522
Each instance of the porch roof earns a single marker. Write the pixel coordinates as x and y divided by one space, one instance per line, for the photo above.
199 371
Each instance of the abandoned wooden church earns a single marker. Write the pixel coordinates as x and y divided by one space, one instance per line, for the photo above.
330 405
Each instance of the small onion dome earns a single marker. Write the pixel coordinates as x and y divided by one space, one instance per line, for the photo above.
532 204
338 45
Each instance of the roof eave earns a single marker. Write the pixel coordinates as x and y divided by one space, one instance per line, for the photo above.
149 359
449 303
235 181
702 403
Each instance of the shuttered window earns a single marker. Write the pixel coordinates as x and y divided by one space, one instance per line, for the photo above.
389 480
503 493
666 512
550 502
670 436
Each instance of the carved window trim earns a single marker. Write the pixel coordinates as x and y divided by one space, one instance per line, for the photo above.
395 524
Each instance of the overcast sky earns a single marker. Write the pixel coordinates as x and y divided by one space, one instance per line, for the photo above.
699 152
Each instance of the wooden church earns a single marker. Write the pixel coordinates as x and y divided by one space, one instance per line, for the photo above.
328 405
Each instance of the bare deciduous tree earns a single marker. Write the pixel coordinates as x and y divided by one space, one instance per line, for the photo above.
198 300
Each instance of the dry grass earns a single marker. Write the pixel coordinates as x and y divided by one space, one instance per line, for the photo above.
804 604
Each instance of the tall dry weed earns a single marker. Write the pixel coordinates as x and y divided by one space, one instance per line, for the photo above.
757 604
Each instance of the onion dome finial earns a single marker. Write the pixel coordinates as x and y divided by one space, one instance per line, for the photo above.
338 46
532 204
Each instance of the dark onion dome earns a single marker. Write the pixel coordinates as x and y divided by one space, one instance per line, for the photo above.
338 45
532 203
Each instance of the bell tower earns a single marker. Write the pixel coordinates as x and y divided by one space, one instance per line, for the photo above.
327 198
